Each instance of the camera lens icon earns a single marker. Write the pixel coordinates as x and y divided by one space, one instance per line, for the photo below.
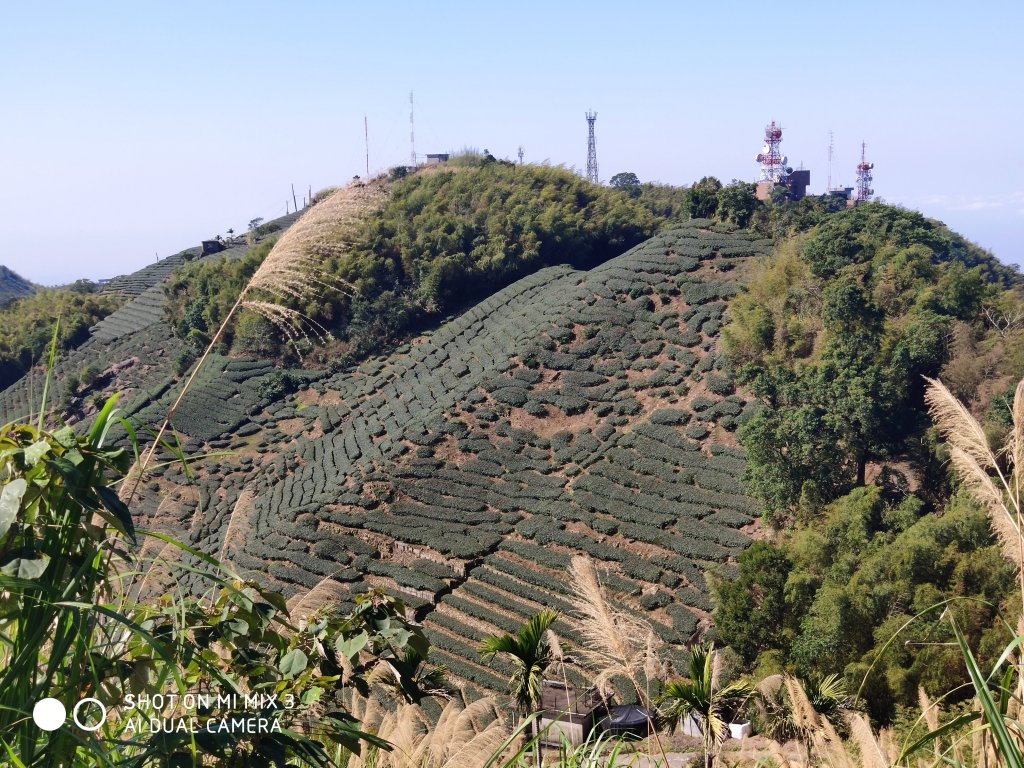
78 717
49 714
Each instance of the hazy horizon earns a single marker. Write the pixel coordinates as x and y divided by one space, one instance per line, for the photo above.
135 132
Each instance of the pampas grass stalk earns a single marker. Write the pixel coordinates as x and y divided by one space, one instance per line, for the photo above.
612 641
291 272
872 752
462 737
979 468
996 484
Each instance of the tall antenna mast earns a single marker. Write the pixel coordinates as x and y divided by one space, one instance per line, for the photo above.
520 154
591 149
831 148
864 190
366 135
412 131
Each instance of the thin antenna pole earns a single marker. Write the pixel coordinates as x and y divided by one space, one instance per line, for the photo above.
521 154
366 135
286 211
295 202
412 130
831 145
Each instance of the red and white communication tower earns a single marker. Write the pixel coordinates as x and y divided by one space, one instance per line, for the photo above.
773 162
864 190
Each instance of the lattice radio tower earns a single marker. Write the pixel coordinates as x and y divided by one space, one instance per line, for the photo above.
864 190
591 149
773 162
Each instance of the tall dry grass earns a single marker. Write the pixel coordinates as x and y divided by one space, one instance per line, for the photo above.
464 736
995 477
292 271
612 643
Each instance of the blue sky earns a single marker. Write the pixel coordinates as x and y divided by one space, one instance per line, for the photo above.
132 130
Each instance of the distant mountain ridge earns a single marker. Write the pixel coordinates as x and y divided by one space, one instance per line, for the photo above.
13 286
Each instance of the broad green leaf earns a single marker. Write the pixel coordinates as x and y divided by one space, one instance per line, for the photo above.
276 599
26 568
98 432
293 663
35 452
10 501
312 694
419 644
66 437
401 637
118 509
64 468
350 647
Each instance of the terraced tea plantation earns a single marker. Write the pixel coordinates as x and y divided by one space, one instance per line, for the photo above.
572 412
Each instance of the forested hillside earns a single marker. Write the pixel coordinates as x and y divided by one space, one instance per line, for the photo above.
27 326
835 336
438 241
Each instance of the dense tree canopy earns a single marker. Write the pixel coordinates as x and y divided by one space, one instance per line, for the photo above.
736 202
27 325
702 198
835 336
627 181
831 593
443 238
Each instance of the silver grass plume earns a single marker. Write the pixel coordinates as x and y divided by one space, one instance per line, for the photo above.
290 271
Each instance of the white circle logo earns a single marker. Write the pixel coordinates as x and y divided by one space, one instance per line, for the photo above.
49 714
99 723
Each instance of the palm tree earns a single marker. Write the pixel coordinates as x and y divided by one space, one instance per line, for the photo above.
790 708
702 699
408 679
530 654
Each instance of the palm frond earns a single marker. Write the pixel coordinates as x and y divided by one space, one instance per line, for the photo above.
530 654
